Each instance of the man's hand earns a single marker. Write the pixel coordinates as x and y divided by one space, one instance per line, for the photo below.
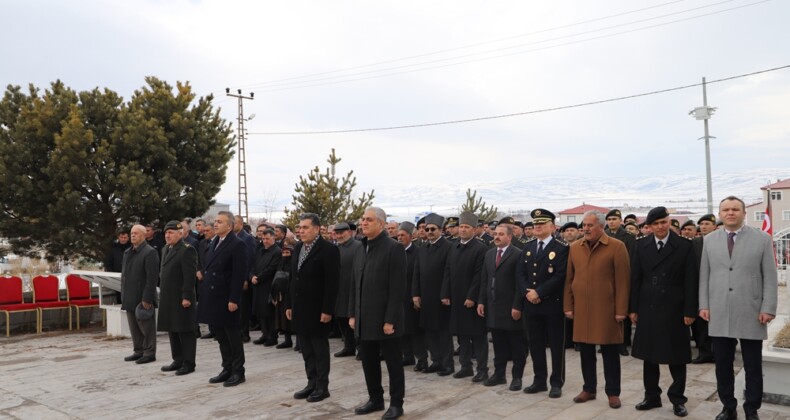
688 320
352 322
416 301
325 318
516 314
704 314
146 305
619 318
634 317
288 313
533 296
469 303
765 318
389 329
254 280
481 310
446 302
569 314
186 303
245 286
232 307
199 275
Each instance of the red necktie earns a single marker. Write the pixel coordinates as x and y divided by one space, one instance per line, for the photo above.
498 257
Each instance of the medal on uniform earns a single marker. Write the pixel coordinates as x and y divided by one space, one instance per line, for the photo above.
551 269
552 254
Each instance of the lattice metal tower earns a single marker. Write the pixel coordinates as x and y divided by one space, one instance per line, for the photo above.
242 155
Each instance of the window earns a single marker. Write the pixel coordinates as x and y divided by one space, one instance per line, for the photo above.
759 216
776 195
786 215
571 218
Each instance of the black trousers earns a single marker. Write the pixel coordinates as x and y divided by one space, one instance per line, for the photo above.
568 333
246 310
440 343
699 330
183 346
315 352
752 353
390 350
551 326
413 346
349 343
476 344
611 368
627 331
230 347
650 376
509 345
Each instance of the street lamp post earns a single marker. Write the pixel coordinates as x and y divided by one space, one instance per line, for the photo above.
704 113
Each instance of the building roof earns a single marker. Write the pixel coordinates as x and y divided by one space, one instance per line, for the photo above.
778 185
584 208
754 204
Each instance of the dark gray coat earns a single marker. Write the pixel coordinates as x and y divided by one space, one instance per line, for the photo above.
139 276
352 257
462 275
410 314
264 267
177 274
427 284
498 289
377 295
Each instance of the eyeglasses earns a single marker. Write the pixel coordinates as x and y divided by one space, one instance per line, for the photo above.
431 229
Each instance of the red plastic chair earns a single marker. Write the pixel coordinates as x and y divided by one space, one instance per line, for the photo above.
46 296
12 300
78 294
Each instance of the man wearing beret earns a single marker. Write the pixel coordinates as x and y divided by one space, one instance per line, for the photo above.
674 225
352 256
177 299
570 232
663 305
451 227
688 230
413 340
139 276
614 228
460 291
541 280
699 329
426 295
509 221
529 231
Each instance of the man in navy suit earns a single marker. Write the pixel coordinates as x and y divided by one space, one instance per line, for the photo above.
224 272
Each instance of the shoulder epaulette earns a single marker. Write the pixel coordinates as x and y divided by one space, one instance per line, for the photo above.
526 241
561 242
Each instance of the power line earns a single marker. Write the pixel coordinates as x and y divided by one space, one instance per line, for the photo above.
516 114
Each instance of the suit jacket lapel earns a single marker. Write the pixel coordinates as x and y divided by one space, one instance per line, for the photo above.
508 252
214 250
669 248
312 252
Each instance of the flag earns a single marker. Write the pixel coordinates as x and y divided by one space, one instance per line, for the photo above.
767 226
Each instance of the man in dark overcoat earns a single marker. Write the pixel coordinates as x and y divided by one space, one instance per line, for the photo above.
315 268
426 295
267 259
139 276
615 229
177 299
501 306
413 340
224 273
460 291
377 313
541 279
664 287
202 251
352 256
246 308
699 329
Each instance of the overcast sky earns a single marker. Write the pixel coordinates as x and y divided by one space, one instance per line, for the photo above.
438 61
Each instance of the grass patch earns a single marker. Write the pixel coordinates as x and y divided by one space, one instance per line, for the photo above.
783 338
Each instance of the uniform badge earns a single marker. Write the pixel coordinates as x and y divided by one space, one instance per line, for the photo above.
551 269
552 254
529 253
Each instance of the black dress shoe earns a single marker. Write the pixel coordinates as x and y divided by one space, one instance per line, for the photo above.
207 336
259 341
480 377
346 353
408 362
284 345
318 395
132 358
222 377
535 388
623 350
171 367
680 410
495 380
185 370
727 415
648 405
420 366
245 338
555 392
464 373
431 369
235 379
269 343
369 407
445 371
392 413
515 384
304 393
703 359
145 359
752 416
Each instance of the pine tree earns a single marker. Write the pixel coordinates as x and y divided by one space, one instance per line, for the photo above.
324 194
478 206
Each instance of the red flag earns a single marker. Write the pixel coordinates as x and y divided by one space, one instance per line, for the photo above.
767 225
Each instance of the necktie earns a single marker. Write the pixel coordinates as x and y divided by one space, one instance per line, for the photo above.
730 242
540 248
660 245
219 241
498 256
303 255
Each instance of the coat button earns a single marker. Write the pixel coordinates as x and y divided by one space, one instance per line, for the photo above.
731 289
534 274
536 264
730 268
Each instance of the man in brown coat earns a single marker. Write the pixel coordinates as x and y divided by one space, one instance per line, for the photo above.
597 290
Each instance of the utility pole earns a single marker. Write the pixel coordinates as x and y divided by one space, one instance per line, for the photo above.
704 113
242 153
